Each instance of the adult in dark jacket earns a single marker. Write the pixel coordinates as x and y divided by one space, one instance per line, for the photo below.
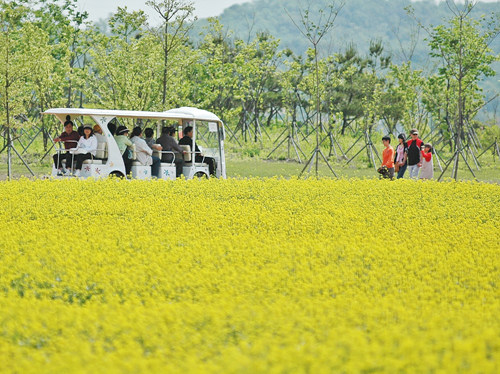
414 154
188 140
168 143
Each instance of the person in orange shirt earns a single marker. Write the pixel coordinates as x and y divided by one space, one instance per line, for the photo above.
388 158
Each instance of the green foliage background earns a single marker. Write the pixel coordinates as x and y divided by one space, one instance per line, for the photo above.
378 72
359 22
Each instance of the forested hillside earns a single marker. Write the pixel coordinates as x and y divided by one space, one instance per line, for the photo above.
359 22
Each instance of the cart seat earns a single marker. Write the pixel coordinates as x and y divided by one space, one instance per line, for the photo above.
102 151
92 162
201 164
187 155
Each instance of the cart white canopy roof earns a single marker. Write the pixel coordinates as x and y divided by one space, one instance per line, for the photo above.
172 114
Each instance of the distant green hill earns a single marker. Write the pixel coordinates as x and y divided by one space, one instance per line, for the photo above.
358 22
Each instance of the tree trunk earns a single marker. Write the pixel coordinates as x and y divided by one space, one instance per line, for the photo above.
165 68
7 111
460 110
344 123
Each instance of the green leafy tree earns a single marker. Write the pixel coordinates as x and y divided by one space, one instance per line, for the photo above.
408 88
23 46
127 64
56 78
293 78
347 96
314 28
214 85
173 35
256 65
357 77
462 47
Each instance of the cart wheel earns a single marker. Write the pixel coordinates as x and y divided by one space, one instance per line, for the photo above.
201 175
116 174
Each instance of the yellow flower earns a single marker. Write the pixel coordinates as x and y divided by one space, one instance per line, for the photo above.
256 275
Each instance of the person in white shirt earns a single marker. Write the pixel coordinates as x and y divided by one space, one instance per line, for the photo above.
144 153
86 148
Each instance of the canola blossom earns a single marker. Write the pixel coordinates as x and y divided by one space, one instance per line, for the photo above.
249 276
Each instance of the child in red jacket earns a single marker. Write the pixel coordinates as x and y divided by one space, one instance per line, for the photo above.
427 169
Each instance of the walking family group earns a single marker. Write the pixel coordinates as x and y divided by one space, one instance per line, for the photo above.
412 155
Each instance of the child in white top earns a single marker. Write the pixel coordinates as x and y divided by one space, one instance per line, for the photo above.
427 169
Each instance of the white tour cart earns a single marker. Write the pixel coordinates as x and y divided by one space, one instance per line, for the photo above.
208 133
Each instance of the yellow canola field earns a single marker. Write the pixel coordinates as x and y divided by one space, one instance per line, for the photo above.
249 276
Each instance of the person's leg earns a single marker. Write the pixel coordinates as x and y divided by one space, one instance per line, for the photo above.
128 166
390 173
79 160
179 166
177 160
168 158
58 160
401 171
210 161
211 164
127 161
69 160
78 164
155 168
412 169
416 171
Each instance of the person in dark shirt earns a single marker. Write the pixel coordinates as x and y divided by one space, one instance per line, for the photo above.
168 143
414 154
188 140
70 139
148 133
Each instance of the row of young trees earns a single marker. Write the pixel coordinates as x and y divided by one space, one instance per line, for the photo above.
51 55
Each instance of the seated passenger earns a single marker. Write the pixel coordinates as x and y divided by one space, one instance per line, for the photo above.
101 139
188 140
70 138
168 143
145 153
150 141
87 147
125 147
